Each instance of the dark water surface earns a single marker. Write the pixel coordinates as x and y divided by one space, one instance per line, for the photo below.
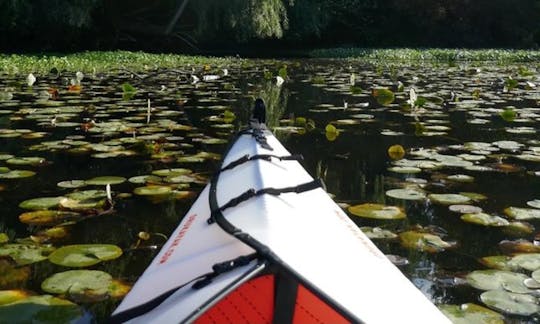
464 105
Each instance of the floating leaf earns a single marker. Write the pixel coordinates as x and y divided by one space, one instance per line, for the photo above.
44 309
171 172
461 178
405 169
4 238
17 174
143 179
508 114
71 184
534 203
423 241
527 261
471 313
485 219
498 279
396 152
384 96
406 194
118 289
11 275
522 213
510 303
331 132
465 209
10 296
152 191
78 282
500 262
24 254
105 180
378 233
377 211
41 203
449 199
47 217
84 255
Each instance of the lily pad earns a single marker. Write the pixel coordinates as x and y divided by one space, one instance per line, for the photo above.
78 282
406 194
118 289
152 191
485 219
47 217
423 241
527 261
11 275
465 209
499 262
377 211
17 174
71 184
10 296
405 169
471 313
522 213
41 203
498 279
449 199
384 96
378 233
26 253
396 152
461 178
510 303
105 180
534 203
31 160
44 309
84 255
143 179
171 172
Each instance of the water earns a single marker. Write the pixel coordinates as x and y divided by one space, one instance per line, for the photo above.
354 166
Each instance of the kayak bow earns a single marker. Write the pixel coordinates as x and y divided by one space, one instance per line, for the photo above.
265 243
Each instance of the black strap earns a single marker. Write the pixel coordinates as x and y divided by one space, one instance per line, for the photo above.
250 193
286 291
200 281
266 157
258 134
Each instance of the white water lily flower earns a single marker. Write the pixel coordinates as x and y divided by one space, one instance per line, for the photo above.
352 79
412 97
30 79
79 76
225 72
210 77
279 81
194 79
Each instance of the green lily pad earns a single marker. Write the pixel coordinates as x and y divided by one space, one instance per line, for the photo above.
71 184
47 217
485 219
474 196
4 238
31 160
449 199
461 178
536 275
41 203
78 282
171 172
26 253
423 241
378 233
377 211
405 169
17 174
499 262
10 296
152 191
44 309
105 180
527 261
384 96
471 313
510 303
84 255
522 213
12 275
465 209
143 179
498 279
406 194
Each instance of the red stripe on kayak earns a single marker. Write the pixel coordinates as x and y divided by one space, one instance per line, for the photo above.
311 309
252 302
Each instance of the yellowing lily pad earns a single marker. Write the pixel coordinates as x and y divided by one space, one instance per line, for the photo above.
118 289
152 191
485 219
171 172
449 199
471 313
510 303
44 309
384 96
47 217
84 255
499 262
423 241
17 174
11 275
396 152
377 211
10 296
26 253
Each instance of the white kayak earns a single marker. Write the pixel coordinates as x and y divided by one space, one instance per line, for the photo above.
264 243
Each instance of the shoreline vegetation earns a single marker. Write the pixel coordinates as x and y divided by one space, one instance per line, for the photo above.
99 61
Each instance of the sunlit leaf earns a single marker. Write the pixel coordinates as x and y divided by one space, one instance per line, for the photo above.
377 211
84 255
510 303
